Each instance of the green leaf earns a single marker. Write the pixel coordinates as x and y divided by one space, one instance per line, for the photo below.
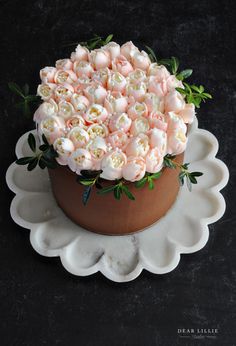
117 192
189 185
107 189
152 55
41 164
150 184
16 89
32 164
128 192
48 163
181 90
87 173
184 74
43 147
196 174
207 95
192 179
156 175
108 39
24 160
45 139
86 182
174 64
140 183
86 194
32 142
32 98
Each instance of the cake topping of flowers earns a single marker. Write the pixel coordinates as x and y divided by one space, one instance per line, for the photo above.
115 109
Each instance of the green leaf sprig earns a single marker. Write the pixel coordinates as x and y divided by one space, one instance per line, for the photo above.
148 178
194 94
88 179
27 100
118 189
97 42
45 156
184 175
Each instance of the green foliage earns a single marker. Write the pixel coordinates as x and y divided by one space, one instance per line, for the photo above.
117 189
97 42
194 94
148 178
88 179
27 100
45 156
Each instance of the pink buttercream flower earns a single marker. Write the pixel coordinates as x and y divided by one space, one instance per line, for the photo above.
45 90
78 136
64 64
188 113
97 130
65 109
118 139
80 54
101 76
120 122
135 169
80 159
64 91
158 88
116 82
159 71
45 109
177 142
79 102
97 148
174 101
115 103
127 50
99 58
75 121
95 114
83 68
112 165
157 120
174 122
141 60
172 82
139 125
158 139
138 146
81 83
64 147
52 127
95 93
137 75
137 90
47 74
122 65
137 109
154 160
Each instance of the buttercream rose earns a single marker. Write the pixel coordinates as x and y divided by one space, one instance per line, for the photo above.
120 122
99 58
158 139
47 74
64 147
65 109
80 159
115 103
122 65
78 136
139 125
154 160
135 169
95 114
45 109
64 64
138 146
52 127
112 165
174 101
177 142
45 90
81 53
99 130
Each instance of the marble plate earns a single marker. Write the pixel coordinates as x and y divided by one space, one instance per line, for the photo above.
157 249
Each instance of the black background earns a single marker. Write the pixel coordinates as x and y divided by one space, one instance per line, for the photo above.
42 304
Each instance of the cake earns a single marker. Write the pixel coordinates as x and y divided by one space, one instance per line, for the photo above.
113 127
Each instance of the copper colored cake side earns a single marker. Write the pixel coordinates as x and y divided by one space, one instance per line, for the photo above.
106 215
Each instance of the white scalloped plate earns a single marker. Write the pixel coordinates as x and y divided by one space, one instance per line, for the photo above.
121 258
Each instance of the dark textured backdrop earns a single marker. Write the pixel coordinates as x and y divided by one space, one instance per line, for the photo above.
41 304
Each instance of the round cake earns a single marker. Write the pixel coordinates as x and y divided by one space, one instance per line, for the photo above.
112 128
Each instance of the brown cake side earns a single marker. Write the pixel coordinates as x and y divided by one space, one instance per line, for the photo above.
106 215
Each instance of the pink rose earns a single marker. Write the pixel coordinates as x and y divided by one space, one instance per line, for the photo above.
95 114
83 68
177 142
97 130
158 88
113 49
116 82
154 161
137 110
188 113
128 49
64 64
78 136
157 120
158 139
174 101
118 139
159 71
97 148
99 58
122 65
47 74
137 90
45 109
112 165
137 75
139 125
138 146
75 121
52 127
64 148
141 60
45 90
80 159
64 91
115 103
174 122
81 83
62 76
101 76
79 102
81 53
65 109
95 93
135 169
172 82
154 103
120 122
